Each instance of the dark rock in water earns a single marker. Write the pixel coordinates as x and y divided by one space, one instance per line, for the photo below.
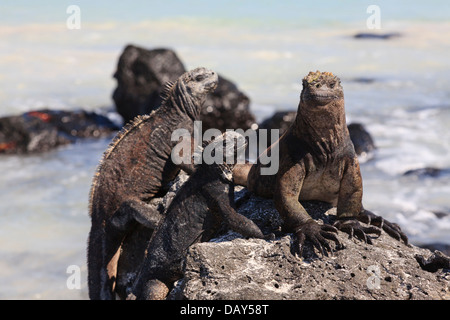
443 247
141 74
440 214
426 172
363 80
27 134
381 36
79 124
227 108
281 120
43 130
361 138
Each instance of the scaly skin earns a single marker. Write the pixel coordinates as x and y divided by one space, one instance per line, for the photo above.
317 162
135 168
194 215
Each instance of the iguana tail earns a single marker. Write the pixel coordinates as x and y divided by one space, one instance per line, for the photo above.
102 258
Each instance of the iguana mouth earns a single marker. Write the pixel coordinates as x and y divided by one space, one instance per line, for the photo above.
211 85
320 98
208 78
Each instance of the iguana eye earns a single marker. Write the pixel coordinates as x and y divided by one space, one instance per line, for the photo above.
332 85
318 85
200 77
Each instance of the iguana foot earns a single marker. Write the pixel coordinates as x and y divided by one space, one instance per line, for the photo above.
318 235
155 290
152 290
269 236
354 229
390 228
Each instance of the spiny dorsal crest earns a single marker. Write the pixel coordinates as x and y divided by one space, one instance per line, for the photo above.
167 90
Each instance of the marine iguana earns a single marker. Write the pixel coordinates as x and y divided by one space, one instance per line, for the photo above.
194 215
317 162
134 169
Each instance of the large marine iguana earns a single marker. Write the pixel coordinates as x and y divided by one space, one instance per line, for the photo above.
317 162
194 215
134 169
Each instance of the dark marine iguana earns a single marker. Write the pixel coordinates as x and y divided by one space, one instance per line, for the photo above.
317 162
134 169
194 215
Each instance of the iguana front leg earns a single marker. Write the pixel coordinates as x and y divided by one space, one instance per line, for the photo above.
237 222
135 211
350 203
350 210
296 219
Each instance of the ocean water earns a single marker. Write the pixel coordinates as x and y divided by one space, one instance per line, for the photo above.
265 47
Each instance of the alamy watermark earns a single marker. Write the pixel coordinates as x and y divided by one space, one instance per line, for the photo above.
374 20
373 282
74 279
74 20
182 152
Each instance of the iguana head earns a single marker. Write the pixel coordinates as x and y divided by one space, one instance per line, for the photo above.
189 92
321 88
230 144
320 119
200 82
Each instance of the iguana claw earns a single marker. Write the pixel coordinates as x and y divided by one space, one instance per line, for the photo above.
318 235
390 228
354 229
376 223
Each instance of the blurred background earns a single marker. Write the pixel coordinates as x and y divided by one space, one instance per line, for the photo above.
396 82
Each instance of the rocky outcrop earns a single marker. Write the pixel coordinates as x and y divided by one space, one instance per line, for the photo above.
257 269
443 247
230 267
141 74
427 172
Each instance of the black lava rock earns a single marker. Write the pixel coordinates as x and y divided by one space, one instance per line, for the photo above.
141 74
43 130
